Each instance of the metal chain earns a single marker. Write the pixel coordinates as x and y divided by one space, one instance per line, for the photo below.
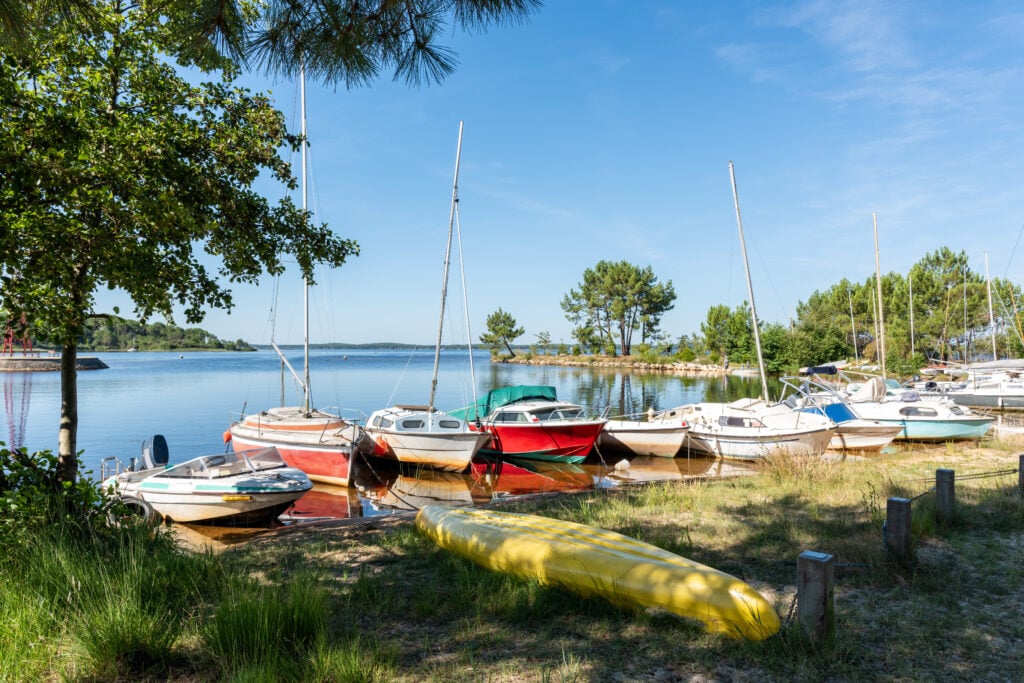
792 610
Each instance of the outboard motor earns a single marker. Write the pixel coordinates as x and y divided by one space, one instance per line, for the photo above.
154 452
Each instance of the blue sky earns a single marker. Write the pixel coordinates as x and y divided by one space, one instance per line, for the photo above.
603 130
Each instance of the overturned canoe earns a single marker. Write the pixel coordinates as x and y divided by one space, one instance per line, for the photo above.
594 561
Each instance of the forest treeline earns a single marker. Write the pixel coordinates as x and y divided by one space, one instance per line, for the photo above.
939 310
111 333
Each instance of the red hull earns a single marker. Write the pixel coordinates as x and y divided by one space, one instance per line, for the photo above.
559 442
324 464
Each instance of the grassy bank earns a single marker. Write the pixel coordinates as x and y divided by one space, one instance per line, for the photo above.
374 601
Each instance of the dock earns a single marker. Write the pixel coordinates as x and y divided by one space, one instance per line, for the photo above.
46 363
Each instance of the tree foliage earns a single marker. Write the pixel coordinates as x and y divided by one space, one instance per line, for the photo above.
112 333
348 42
502 330
120 173
616 299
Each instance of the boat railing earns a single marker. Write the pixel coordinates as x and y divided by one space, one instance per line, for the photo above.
112 465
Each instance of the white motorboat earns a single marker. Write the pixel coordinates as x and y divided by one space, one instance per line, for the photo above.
750 429
661 439
852 433
251 487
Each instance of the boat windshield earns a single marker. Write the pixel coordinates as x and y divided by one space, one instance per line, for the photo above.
226 465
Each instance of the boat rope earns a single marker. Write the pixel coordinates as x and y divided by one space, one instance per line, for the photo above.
976 475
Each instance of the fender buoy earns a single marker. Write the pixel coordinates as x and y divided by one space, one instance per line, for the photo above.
380 446
227 435
135 507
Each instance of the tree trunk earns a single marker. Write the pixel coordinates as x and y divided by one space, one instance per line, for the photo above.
511 353
67 438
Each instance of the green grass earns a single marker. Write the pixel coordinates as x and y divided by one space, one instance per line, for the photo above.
381 603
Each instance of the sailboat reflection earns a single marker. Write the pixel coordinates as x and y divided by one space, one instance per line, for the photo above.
324 501
398 491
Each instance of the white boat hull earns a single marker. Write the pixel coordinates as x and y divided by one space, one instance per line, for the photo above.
751 430
447 452
643 438
863 435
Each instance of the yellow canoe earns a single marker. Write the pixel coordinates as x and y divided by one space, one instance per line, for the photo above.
594 561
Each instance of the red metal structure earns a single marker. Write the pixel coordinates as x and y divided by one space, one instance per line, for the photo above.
11 338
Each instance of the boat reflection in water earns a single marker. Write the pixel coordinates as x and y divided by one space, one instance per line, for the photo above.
379 491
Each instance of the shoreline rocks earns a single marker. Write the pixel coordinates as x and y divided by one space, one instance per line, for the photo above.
619 363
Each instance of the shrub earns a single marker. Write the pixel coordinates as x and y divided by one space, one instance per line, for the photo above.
32 497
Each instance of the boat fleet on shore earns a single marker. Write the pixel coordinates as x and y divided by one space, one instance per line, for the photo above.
277 453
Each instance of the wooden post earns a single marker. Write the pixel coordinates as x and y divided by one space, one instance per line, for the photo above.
945 495
897 528
1020 474
815 596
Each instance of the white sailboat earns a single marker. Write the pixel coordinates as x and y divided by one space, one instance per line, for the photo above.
751 429
321 444
421 435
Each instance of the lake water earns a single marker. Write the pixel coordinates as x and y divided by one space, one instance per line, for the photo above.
192 398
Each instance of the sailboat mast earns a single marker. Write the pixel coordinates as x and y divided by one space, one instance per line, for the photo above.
305 283
465 302
910 283
991 317
878 282
853 326
750 287
447 261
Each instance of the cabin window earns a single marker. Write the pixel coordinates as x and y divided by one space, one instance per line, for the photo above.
918 411
956 410
375 422
412 424
733 421
385 423
450 424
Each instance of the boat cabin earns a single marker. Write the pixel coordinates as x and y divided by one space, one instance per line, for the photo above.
533 412
414 419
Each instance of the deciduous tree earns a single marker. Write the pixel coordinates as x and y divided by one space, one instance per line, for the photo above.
119 173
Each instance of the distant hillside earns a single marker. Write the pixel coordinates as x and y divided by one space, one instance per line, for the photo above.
111 333
372 346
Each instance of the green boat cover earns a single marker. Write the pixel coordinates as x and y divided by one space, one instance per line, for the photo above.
502 396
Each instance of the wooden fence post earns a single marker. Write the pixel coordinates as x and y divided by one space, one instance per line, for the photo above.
1020 474
815 596
897 527
945 495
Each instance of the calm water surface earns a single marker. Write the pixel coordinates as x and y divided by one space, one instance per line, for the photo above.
191 399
